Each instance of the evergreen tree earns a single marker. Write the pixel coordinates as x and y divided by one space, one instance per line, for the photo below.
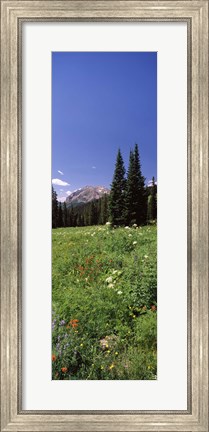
154 199
93 213
131 192
72 217
54 208
82 220
140 189
65 215
136 201
152 202
60 221
104 209
117 193
149 208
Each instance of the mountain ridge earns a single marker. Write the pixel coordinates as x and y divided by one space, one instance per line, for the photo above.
86 194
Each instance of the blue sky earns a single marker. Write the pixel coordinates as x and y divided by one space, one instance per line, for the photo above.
101 101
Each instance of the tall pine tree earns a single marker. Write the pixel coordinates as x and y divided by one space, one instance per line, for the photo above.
131 192
117 193
54 208
140 186
136 207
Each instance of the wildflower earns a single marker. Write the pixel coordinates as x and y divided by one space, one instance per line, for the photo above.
62 323
119 292
81 345
134 225
54 357
110 285
114 271
146 256
64 369
109 279
135 242
111 366
73 323
153 308
116 353
130 235
108 223
102 367
127 227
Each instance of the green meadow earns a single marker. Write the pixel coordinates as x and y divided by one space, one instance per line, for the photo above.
104 303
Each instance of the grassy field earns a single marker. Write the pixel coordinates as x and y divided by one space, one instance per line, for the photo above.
104 297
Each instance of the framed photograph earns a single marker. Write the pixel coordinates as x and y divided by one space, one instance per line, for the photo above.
104 215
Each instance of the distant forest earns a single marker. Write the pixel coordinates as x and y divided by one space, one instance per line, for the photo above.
129 202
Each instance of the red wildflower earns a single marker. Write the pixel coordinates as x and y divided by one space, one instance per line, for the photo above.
74 323
64 369
54 357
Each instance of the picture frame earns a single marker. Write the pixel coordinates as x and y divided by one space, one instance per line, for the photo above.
13 15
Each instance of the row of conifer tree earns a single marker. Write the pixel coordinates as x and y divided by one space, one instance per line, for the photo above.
129 202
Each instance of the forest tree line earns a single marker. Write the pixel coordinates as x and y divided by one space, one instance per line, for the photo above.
129 202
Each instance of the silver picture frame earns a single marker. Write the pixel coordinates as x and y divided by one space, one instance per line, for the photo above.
13 14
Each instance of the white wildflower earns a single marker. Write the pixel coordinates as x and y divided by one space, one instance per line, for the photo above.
109 279
127 227
146 256
114 271
130 235
110 285
134 225
135 242
108 223
119 292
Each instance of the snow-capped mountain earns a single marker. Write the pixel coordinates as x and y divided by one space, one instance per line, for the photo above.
86 194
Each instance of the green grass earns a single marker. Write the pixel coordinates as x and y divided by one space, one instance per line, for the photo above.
104 294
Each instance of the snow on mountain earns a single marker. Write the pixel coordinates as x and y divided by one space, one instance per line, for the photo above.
86 194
